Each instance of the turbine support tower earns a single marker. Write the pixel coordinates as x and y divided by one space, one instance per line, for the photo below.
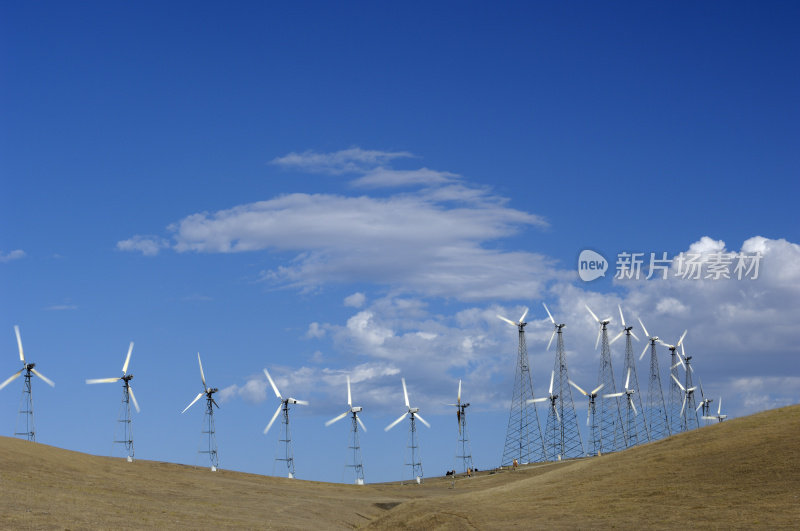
612 432
463 447
124 432
636 420
355 447
563 435
524 443
286 434
655 409
413 440
209 430
25 423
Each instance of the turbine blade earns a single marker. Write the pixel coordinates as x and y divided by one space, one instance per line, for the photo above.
336 419
11 378
643 352
719 408
422 420
552 336
681 339
102 380
349 396
509 321
300 402
591 312
358 419
127 359
47 380
202 376
598 388
192 402
621 318
628 378
274 388
459 391
588 414
405 392
395 423
576 386
698 407
706 417
552 376
557 415
272 420
525 313
19 344
613 395
643 328
663 343
634 408
682 407
678 382
597 341
549 314
634 336
133 397
616 337
536 400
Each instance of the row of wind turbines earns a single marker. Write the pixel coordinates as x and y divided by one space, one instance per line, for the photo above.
615 422
525 441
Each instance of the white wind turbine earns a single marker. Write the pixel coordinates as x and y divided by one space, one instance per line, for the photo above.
287 439
358 465
631 412
590 414
413 413
26 401
208 418
551 397
719 417
125 409
686 394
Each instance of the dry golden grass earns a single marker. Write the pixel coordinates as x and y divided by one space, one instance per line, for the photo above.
743 473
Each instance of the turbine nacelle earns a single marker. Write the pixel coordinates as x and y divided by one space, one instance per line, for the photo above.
356 409
413 410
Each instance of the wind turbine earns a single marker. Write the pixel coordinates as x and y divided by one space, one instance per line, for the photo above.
590 414
287 436
687 393
563 437
656 409
524 441
675 394
413 412
125 407
462 445
208 418
705 403
631 412
612 434
638 423
358 465
690 417
26 401
720 417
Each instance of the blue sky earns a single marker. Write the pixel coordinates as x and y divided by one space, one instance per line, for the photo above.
328 189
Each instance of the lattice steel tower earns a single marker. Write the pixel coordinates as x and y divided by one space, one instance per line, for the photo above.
656 409
689 419
286 433
355 446
636 427
562 440
25 417
676 395
207 427
524 441
612 432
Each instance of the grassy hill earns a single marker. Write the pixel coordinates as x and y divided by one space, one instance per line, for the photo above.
741 473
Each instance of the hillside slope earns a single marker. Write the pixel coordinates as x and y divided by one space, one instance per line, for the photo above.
742 473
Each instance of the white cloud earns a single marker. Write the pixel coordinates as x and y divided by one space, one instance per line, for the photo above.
384 177
353 160
356 300
147 245
315 331
16 254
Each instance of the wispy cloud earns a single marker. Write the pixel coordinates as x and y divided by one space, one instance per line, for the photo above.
388 178
61 307
147 245
353 160
16 254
